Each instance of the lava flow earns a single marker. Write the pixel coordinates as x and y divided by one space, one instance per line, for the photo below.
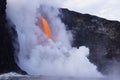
46 28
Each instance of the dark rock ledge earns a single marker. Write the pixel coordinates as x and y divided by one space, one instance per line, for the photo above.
100 35
8 42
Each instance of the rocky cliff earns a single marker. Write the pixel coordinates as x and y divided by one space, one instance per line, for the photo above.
8 35
101 36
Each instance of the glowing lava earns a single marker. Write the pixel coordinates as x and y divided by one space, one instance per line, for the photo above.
46 28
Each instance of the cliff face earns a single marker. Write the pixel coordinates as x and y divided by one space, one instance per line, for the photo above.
101 36
8 35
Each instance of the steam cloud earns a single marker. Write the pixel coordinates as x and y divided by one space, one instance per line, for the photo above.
40 56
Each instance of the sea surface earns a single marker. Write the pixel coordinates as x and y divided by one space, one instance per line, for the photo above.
15 76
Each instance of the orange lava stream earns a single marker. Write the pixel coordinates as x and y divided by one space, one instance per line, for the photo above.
46 28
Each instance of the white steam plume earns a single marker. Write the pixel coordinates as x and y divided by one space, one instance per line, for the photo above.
40 56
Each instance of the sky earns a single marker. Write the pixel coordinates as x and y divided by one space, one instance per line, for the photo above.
109 9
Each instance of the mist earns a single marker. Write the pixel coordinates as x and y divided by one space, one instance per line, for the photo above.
39 55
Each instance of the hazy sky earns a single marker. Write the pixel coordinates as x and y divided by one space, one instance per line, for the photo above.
105 8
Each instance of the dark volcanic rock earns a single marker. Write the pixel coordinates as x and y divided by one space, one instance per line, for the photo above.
8 35
100 35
